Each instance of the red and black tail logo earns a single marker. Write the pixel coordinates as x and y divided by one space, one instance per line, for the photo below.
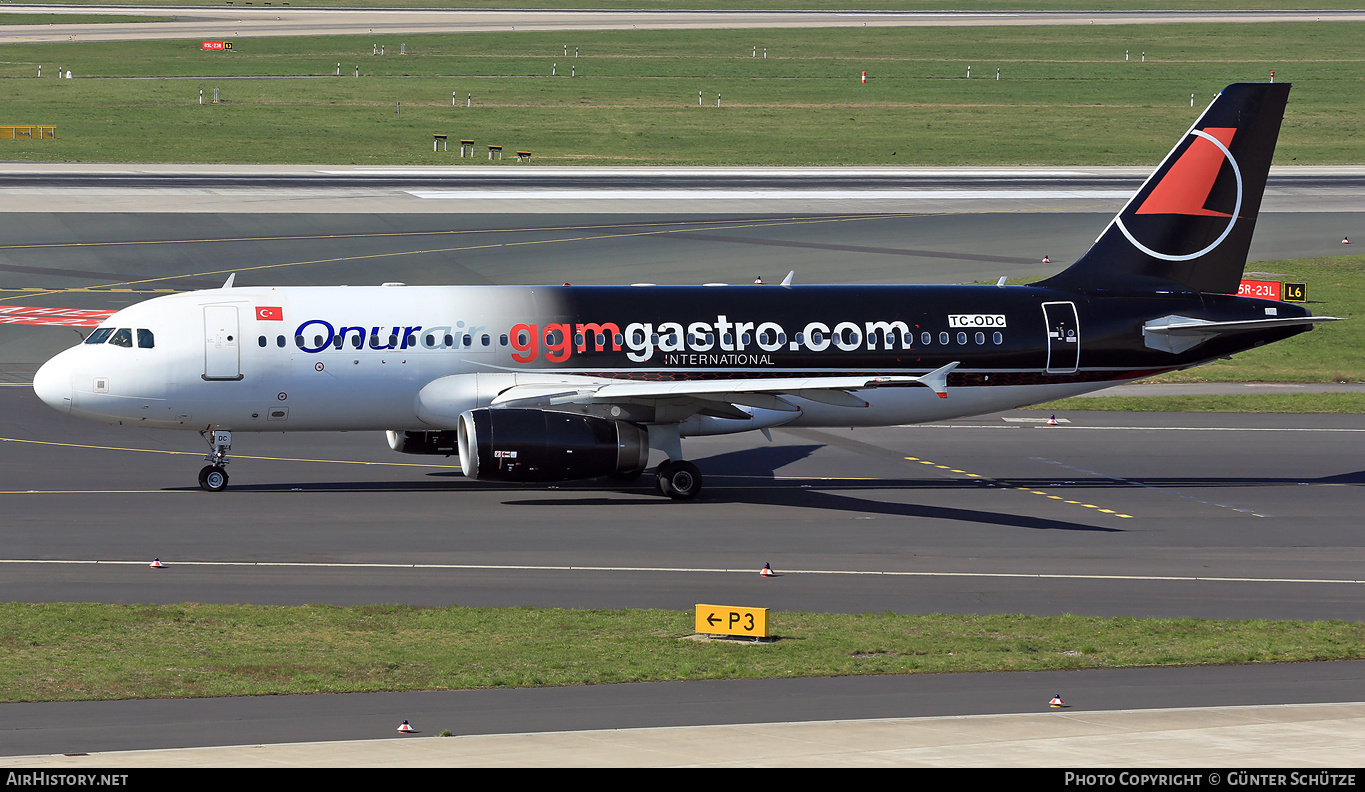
1186 186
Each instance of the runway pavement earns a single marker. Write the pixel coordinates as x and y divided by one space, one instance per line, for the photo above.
520 189
205 22
1220 516
1235 717
1304 737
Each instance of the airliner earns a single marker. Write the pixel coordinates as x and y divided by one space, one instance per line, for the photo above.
552 383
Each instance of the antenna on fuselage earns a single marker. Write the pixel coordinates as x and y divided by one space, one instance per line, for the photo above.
227 284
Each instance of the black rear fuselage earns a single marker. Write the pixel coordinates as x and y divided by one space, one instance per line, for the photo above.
1010 335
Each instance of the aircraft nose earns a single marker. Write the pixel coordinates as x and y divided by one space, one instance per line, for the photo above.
52 383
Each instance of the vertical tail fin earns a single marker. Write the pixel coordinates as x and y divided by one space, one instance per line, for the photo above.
1189 227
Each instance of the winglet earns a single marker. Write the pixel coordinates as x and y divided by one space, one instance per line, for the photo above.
787 281
227 284
938 379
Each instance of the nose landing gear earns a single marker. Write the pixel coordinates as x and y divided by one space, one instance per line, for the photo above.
214 477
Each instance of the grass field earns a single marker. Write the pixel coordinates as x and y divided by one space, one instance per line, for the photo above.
80 651
1066 96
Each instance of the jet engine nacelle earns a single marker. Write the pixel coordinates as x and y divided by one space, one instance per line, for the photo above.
544 445
443 443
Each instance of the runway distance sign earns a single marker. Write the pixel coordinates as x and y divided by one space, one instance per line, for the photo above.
1266 290
729 620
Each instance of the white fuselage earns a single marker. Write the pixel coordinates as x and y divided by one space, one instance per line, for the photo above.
268 359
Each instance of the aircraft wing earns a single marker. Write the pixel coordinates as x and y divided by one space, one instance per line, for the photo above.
763 393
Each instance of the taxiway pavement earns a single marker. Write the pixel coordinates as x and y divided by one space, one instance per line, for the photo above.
1216 516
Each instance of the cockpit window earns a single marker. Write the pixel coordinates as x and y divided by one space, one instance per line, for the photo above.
100 336
145 339
122 337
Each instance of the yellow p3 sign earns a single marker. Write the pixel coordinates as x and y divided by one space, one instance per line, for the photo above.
729 620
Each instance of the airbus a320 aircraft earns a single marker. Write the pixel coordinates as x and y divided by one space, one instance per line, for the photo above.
553 383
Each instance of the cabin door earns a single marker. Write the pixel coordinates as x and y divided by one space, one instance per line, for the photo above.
222 343
1063 337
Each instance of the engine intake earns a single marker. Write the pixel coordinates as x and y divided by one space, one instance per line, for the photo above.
544 445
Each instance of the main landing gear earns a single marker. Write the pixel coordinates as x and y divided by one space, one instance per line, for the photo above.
214 477
679 480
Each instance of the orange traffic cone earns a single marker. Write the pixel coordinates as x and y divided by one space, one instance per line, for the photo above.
1056 702
156 564
767 571
405 728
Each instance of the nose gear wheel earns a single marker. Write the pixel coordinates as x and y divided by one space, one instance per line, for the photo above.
213 478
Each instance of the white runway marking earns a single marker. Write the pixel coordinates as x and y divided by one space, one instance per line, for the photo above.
688 570
772 172
760 195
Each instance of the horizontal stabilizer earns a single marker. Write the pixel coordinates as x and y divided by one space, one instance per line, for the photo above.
1175 334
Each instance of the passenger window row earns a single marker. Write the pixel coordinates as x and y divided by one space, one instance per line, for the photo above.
465 340
428 340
